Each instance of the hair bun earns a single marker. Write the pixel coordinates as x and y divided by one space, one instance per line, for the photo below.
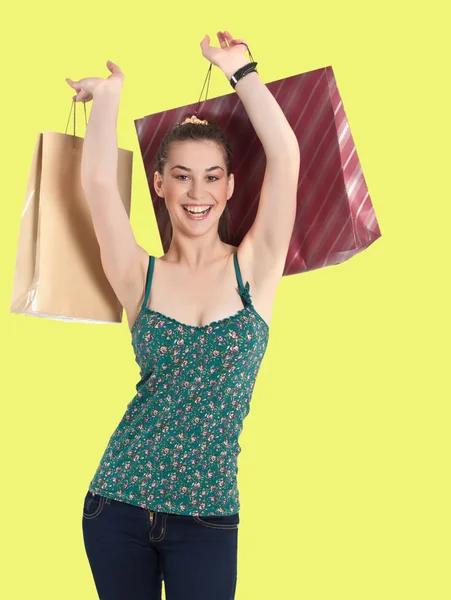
193 119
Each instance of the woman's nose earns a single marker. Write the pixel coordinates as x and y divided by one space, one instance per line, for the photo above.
197 190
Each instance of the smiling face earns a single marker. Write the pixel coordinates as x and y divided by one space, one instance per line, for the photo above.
195 185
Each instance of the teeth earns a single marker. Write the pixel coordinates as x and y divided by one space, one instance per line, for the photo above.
197 210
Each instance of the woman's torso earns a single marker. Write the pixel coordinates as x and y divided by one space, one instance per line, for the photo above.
177 445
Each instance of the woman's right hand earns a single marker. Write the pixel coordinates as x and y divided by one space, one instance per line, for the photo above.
86 88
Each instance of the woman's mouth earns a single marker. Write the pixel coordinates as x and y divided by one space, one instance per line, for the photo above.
197 213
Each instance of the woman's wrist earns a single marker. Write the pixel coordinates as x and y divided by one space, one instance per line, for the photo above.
231 69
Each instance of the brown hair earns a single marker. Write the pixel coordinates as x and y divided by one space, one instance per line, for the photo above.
192 132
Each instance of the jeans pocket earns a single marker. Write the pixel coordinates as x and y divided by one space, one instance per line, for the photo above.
93 505
219 521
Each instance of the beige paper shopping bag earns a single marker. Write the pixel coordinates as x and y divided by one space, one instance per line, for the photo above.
58 273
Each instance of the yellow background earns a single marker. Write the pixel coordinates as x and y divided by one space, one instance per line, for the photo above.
344 474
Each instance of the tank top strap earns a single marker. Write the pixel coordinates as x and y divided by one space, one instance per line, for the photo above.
148 279
242 289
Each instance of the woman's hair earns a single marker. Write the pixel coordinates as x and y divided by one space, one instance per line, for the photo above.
192 132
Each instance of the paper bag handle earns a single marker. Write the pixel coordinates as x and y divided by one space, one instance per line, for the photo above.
86 120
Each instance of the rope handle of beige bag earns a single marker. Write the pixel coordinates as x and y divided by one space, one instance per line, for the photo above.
208 77
75 113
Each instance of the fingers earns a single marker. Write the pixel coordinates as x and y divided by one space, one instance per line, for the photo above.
73 84
205 46
238 42
228 36
76 86
226 40
82 96
113 67
222 40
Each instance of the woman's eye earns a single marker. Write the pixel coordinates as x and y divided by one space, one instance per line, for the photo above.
210 176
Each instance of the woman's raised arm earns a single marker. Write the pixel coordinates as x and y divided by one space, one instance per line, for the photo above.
270 235
122 258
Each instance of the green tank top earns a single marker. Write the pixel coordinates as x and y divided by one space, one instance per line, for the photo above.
176 447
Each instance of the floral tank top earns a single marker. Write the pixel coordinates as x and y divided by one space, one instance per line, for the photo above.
176 447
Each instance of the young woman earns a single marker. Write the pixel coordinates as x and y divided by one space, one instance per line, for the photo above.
163 503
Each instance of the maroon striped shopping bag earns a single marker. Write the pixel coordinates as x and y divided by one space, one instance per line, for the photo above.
335 218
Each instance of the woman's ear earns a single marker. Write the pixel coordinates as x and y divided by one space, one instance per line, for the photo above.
158 184
230 186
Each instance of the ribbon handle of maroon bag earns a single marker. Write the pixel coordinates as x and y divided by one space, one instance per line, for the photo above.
207 81
75 111
208 77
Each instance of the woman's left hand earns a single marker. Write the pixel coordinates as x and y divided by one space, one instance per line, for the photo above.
229 57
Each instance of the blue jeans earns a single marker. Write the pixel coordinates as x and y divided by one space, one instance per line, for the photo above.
131 550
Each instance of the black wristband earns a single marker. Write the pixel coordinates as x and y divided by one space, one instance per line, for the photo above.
242 71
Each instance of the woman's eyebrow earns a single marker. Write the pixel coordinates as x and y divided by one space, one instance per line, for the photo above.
187 169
